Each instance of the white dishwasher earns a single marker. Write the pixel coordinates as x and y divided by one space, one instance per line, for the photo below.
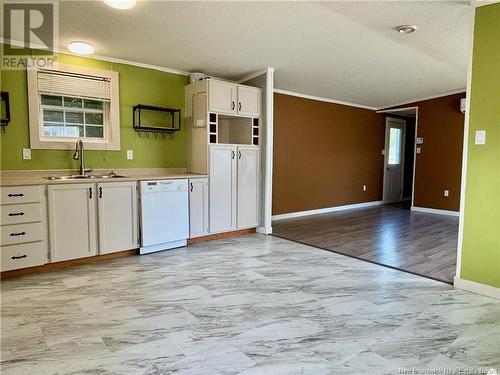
164 215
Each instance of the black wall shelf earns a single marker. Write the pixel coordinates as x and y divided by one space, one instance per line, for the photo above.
175 118
4 97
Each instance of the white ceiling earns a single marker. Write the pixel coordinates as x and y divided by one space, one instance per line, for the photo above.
339 50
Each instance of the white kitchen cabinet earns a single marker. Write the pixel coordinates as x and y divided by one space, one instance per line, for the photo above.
117 216
72 221
198 207
248 101
222 188
222 97
247 187
23 227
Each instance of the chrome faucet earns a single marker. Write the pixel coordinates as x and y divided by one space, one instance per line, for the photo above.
80 155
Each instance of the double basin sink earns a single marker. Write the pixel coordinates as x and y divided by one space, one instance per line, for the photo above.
85 176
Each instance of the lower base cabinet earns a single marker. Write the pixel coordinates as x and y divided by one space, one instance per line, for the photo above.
117 216
72 221
198 207
89 219
234 187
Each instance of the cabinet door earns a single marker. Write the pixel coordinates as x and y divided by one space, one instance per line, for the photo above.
222 188
248 101
72 221
117 216
222 97
198 207
248 187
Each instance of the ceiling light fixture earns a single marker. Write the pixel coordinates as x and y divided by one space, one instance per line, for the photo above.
121 4
81 48
406 29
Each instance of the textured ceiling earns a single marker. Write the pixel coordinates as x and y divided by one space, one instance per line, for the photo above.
340 50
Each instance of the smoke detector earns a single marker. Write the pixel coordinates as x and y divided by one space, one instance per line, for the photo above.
406 29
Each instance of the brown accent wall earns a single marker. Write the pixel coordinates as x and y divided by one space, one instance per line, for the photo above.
439 165
324 153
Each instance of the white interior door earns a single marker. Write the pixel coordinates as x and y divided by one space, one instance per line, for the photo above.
222 188
394 159
248 187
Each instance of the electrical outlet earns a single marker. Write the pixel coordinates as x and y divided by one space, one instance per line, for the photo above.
130 154
446 193
419 150
26 153
364 187
480 137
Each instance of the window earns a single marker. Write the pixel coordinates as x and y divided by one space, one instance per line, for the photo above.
70 103
394 146
65 116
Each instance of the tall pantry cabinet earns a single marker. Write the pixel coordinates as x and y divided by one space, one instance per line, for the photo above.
222 120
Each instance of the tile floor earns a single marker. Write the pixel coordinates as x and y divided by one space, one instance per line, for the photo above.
251 305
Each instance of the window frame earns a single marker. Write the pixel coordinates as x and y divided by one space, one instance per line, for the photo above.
111 118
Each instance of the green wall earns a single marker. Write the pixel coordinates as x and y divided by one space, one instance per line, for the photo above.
481 243
137 86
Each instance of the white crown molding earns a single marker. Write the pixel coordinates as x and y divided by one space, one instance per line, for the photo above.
292 215
321 99
452 92
480 3
478 288
256 74
435 211
397 110
107 59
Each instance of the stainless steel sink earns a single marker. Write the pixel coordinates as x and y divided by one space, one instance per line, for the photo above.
84 177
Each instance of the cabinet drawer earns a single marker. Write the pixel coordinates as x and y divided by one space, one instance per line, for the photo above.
22 256
21 233
20 213
20 194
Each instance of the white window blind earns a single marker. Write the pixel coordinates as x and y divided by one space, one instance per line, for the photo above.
75 85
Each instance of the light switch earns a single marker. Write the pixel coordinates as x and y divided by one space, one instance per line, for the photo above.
480 137
419 140
446 193
364 187
130 154
418 150
26 153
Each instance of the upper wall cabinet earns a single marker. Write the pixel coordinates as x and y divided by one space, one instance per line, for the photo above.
232 99
222 97
248 101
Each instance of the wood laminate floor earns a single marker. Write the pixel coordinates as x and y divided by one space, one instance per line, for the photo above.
391 235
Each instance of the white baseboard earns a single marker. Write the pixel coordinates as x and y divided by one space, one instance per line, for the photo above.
472 286
264 230
326 210
435 211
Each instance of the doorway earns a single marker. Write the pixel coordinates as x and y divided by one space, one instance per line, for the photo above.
394 160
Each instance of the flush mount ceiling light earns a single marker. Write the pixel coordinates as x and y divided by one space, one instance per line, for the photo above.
406 29
121 4
81 48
